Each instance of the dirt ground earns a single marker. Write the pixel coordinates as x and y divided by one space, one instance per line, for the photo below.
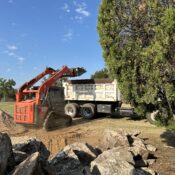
91 131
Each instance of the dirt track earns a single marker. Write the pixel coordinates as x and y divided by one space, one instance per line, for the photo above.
91 132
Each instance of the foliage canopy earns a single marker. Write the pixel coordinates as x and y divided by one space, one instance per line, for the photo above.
103 73
6 88
138 42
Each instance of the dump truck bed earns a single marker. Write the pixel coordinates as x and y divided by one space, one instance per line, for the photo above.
92 90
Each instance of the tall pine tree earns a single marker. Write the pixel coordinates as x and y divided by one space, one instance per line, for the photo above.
138 42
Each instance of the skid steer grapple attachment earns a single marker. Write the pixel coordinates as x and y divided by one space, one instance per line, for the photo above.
78 71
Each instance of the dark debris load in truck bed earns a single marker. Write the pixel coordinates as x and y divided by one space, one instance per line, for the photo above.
90 81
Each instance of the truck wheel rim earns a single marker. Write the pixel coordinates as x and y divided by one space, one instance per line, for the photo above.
70 111
87 112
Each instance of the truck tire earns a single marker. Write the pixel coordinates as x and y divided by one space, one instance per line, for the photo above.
88 111
72 109
151 116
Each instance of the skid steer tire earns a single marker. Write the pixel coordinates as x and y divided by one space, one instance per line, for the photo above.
72 109
88 111
151 117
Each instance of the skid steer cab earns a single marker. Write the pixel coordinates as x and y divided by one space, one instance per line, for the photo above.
43 105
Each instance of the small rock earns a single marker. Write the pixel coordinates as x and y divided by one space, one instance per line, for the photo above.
151 148
138 151
150 161
138 148
139 143
29 166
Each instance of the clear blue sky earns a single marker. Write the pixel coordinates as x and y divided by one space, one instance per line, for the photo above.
39 33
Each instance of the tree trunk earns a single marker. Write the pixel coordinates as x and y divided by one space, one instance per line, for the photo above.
4 97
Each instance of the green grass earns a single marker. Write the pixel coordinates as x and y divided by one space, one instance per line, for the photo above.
7 107
171 126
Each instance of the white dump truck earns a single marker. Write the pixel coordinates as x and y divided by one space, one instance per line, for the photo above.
89 97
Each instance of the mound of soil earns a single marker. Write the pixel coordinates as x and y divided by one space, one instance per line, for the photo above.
8 125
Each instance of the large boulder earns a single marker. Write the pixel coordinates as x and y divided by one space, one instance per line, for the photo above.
29 166
112 138
19 156
113 162
65 162
73 159
85 152
7 161
31 146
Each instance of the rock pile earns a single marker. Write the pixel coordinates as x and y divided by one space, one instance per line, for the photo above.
122 153
6 122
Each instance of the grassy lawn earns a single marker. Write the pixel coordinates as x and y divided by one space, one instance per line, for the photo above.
7 107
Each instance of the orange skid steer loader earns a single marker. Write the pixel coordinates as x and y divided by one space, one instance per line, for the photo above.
44 105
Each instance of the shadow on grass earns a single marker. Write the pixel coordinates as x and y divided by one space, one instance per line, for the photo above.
134 117
169 137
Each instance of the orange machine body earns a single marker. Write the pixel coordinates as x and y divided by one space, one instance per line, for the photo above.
24 111
28 107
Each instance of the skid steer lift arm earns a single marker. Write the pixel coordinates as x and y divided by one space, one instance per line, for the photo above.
25 90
